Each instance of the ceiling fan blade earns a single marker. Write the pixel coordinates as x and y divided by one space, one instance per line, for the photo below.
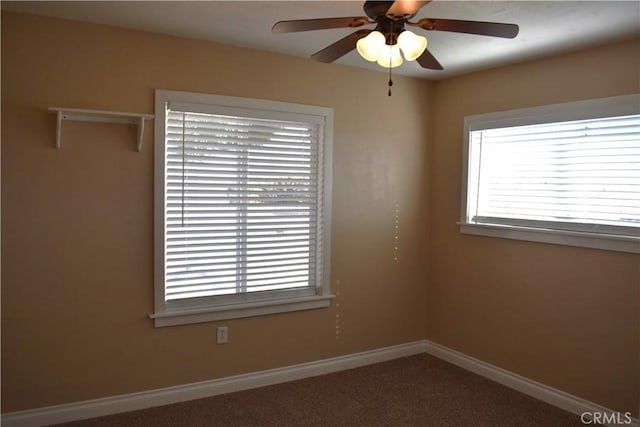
427 60
319 24
340 48
405 8
494 29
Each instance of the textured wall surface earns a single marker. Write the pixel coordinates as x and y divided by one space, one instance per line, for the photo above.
77 223
564 316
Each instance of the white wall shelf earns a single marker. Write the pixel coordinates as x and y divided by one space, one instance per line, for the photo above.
82 115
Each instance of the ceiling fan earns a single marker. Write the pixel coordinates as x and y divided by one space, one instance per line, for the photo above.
384 42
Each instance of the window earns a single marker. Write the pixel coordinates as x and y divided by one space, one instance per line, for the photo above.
566 174
242 207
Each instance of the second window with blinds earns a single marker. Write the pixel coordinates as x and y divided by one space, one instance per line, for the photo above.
242 207
565 174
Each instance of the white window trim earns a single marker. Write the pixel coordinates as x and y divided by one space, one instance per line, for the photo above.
179 314
588 109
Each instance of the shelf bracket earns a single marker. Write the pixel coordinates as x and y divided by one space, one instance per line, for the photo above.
58 126
140 132
83 115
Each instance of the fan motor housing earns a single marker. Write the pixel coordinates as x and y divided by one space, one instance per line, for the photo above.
390 27
378 9
374 9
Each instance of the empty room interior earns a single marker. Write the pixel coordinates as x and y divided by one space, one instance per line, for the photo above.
357 232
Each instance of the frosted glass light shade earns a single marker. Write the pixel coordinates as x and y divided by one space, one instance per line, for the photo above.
369 47
390 56
411 44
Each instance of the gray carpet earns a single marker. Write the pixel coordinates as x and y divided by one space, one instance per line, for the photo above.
413 391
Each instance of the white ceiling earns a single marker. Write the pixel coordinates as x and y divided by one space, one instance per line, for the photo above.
546 27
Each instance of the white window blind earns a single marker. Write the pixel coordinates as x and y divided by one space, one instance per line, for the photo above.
243 223
577 175
241 203
565 174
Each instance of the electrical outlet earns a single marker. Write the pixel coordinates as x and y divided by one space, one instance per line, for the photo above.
222 335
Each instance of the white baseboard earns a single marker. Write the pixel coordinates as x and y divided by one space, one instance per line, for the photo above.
550 395
147 399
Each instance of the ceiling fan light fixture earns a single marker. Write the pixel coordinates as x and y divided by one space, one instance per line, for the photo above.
412 45
389 56
390 18
369 47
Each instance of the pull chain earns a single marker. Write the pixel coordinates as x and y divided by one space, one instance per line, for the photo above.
390 60
390 81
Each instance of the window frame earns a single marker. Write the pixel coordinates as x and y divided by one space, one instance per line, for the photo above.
569 111
169 313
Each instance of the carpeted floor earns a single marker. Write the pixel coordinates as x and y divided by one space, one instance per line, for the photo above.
413 391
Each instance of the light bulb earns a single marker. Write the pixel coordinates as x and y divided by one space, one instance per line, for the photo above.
389 56
411 44
369 47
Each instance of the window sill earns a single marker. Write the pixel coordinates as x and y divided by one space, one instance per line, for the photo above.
610 242
185 316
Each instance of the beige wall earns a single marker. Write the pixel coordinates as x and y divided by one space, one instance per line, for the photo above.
566 317
77 222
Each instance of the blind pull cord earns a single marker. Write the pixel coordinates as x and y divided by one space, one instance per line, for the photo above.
183 174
